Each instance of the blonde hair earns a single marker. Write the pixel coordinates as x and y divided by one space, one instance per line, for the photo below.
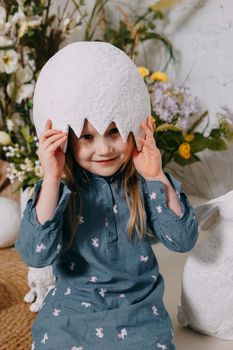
127 178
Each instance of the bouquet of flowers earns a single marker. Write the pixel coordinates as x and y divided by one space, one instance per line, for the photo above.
177 115
29 36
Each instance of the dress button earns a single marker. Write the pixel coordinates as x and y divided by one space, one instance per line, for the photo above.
104 186
161 190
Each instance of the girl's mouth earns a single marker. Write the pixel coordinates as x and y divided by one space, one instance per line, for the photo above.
106 161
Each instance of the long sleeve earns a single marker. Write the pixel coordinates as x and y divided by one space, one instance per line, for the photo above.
177 233
39 245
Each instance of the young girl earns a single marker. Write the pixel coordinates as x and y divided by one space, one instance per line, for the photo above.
109 292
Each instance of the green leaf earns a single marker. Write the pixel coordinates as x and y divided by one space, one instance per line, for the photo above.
217 145
181 161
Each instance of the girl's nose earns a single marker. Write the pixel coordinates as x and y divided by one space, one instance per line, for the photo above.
103 147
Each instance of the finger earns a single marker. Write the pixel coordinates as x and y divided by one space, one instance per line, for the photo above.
48 124
54 146
52 139
152 123
48 133
148 131
148 143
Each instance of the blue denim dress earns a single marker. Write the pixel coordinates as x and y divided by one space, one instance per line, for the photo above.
109 291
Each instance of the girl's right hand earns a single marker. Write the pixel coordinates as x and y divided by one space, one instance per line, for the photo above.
49 152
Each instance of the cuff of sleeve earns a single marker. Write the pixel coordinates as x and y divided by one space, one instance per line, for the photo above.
64 195
155 190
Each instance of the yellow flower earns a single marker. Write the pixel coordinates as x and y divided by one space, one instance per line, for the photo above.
143 71
189 137
160 76
184 150
5 139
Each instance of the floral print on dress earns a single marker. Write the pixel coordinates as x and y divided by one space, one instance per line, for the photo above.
155 310
54 292
40 247
102 292
159 208
72 265
45 337
122 333
95 242
161 346
106 222
68 291
154 277
84 303
152 196
122 295
77 348
56 312
144 258
115 209
99 332
81 220
33 345
93 279
58 248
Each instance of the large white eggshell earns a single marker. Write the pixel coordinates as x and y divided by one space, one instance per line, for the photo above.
92 80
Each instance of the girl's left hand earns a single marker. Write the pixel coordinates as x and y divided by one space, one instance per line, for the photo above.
148 161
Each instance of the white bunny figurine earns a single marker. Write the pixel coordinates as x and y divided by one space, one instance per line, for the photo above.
207 285
40 281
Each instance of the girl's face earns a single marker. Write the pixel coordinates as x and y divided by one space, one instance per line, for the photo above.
101 155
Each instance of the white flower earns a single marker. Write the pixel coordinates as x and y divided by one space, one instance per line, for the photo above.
100 332
25 22
5 42
5 139
161 346
2 18
159 208
33 346
76 348
20 85
39 171
8 61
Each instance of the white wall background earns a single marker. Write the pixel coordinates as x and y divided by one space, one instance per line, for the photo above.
202 34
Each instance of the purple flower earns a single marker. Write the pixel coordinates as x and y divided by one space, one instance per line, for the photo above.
174 104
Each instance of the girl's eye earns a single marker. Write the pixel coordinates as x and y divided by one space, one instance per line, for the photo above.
113 131
87 136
